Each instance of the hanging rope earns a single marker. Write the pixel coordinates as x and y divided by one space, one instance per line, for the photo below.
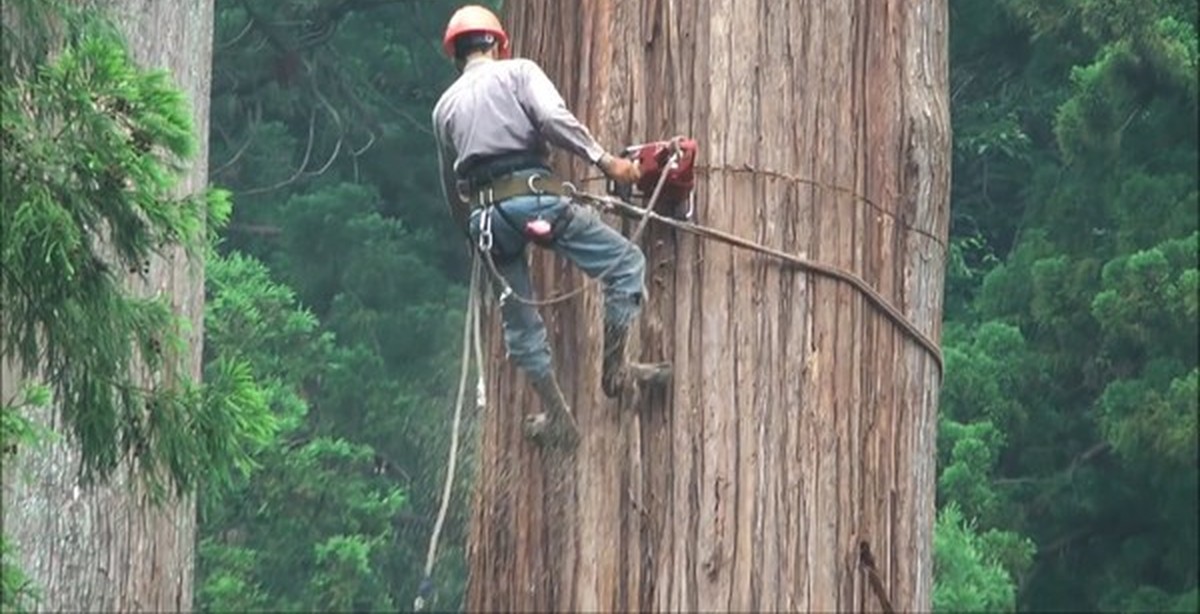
471 330
480 380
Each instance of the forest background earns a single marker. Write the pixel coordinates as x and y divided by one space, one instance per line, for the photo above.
1068 427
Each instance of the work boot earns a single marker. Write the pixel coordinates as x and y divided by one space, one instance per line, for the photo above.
555 424
616 373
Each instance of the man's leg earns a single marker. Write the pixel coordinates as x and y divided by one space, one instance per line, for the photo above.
602 252
525 338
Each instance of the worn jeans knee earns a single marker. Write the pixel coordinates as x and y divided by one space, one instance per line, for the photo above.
605 254
527 347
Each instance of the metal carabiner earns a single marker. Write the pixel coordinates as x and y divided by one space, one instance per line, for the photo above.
486 240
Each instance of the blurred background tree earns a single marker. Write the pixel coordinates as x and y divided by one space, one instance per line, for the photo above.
1069 413
342 280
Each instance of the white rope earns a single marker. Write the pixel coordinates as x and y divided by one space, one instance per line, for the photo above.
481 382
470 331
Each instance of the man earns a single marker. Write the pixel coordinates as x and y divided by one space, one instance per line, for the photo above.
493 126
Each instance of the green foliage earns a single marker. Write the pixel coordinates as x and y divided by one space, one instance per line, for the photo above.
18 431
971 577
320 129
96 148
229 583
1069 406
313 527
310 532
17 593
94 145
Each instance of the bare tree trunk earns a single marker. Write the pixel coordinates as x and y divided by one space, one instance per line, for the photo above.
800 426
105 548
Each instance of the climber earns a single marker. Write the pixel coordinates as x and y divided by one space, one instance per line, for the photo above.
492 126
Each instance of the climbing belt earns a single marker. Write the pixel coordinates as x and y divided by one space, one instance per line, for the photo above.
709 169
789 178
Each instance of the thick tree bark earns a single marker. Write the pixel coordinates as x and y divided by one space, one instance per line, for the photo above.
106 548
800 426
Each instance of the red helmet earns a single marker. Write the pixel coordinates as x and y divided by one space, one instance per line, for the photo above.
474 18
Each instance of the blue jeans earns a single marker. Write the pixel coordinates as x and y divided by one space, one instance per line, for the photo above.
589 243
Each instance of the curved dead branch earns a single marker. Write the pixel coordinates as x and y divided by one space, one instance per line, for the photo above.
370 141
237 38
312 122
254 119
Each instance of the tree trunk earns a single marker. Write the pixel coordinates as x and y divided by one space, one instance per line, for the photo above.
106 548
800 426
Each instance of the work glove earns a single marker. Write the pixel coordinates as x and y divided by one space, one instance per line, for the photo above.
620 170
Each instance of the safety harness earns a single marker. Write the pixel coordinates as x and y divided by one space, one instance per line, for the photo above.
491 197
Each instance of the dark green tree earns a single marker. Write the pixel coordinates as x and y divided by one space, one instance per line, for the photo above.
320 129
94 151
1070 407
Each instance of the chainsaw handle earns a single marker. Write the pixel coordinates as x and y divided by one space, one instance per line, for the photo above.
622 191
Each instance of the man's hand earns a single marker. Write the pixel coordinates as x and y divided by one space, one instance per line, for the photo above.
620 170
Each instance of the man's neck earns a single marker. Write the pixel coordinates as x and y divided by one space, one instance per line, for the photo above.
476 59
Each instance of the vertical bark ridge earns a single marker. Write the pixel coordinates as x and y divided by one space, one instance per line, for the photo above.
800 422
104 547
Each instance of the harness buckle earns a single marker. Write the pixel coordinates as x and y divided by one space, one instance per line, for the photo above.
487 197
532 188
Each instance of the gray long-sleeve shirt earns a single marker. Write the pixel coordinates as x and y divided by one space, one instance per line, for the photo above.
502 106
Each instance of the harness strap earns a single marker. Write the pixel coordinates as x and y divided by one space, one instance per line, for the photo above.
510 187
482 169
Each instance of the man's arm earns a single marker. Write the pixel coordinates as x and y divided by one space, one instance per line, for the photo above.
548 111
446 156
546 108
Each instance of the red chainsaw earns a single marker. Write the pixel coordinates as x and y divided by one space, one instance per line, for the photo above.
677 198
